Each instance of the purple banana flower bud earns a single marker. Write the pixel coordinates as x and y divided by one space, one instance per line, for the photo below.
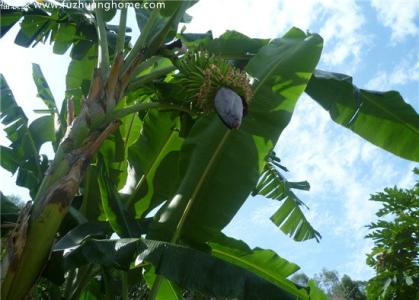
229 107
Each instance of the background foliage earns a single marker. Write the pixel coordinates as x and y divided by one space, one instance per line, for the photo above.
395 255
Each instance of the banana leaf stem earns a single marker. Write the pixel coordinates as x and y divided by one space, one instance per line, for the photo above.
69 283
144 106
140 81
124 279
103 59
120 40
155 288
140 43
83 278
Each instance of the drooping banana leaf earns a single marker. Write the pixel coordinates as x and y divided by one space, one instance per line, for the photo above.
8 19
289 217
231 45
63 28
160 25
168 290
121 220
44 92
184 266
157 19
382 118
78 76
264 263
78 234
158 141
22 155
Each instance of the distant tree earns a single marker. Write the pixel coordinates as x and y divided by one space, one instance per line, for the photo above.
336 289
395 254
353 290
329 281
300 279
11 201
10 207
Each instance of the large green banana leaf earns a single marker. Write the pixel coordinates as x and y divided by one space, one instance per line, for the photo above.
221 167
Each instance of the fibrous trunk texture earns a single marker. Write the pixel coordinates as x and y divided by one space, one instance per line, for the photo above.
30 243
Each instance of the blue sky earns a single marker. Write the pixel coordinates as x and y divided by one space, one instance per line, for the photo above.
375 41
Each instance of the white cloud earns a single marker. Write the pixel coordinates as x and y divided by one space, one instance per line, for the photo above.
406 71
253 18
339 22
356 265
410 179
342 31
399 16
262 214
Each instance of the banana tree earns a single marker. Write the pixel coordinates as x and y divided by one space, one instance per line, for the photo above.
193 121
